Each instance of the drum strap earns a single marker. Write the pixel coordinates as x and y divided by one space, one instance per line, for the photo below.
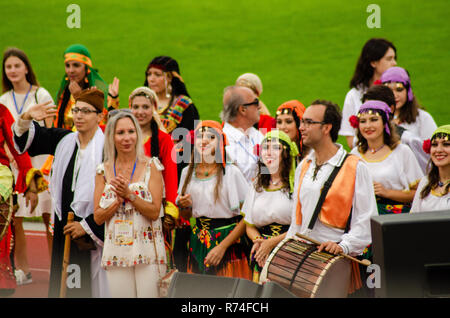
323 195
311 250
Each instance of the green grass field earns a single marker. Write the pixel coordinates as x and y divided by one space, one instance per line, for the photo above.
301 49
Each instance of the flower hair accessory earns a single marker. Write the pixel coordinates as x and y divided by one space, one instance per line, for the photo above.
257 150
426 146
354 121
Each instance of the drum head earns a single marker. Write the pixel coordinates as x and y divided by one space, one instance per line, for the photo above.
335 279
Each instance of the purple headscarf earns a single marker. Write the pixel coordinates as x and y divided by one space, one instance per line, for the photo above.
398 74
377 105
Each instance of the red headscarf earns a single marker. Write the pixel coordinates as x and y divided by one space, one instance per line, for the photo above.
218 128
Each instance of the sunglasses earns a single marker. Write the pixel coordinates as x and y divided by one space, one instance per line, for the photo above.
255 102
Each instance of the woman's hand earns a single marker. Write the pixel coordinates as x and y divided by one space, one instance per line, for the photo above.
256 245
185 201
32 200
113 89
380 190
265 248
214 256
74 88
120 186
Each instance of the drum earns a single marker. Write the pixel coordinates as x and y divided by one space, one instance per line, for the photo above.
298 267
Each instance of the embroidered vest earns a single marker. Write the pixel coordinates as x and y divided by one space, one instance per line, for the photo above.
338 202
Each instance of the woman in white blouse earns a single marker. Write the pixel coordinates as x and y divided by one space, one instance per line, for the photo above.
21 90
392 165
376 56
433 190
268 205
212 192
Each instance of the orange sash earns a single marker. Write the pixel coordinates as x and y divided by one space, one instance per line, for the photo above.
338 202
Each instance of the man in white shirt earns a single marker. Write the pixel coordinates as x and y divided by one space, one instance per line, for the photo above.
240 112
343 222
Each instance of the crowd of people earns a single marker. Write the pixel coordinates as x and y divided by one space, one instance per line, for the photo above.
155 187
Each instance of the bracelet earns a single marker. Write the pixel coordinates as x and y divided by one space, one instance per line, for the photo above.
109 94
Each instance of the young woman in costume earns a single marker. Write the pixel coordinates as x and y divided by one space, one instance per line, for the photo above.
268 205
433 191
288 117
178 115
212 192
393 166
408 113
79 75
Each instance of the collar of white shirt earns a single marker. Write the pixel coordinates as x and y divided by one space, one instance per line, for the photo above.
237 134
336 160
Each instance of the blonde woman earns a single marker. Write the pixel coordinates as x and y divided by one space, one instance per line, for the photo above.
128 196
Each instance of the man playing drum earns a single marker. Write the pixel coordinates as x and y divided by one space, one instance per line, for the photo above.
342 222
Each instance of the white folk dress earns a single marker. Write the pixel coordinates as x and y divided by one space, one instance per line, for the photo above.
131 238
423 127
267 207
399 170
432 202
231 193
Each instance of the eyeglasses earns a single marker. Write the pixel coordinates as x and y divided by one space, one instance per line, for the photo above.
398 87
84 111
116 111
308 122
255 102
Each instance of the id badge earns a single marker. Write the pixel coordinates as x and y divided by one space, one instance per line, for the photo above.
123 232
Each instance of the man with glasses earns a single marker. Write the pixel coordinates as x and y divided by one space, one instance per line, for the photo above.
240 112
339 218
72 183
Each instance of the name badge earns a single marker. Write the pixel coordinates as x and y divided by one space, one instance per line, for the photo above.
123 232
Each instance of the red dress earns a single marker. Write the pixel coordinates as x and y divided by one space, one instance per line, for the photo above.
169 173
7 279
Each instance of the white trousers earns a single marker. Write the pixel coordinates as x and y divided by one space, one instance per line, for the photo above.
139 281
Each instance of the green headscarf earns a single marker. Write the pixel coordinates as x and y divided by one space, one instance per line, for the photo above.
78 52
443 130
293 151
